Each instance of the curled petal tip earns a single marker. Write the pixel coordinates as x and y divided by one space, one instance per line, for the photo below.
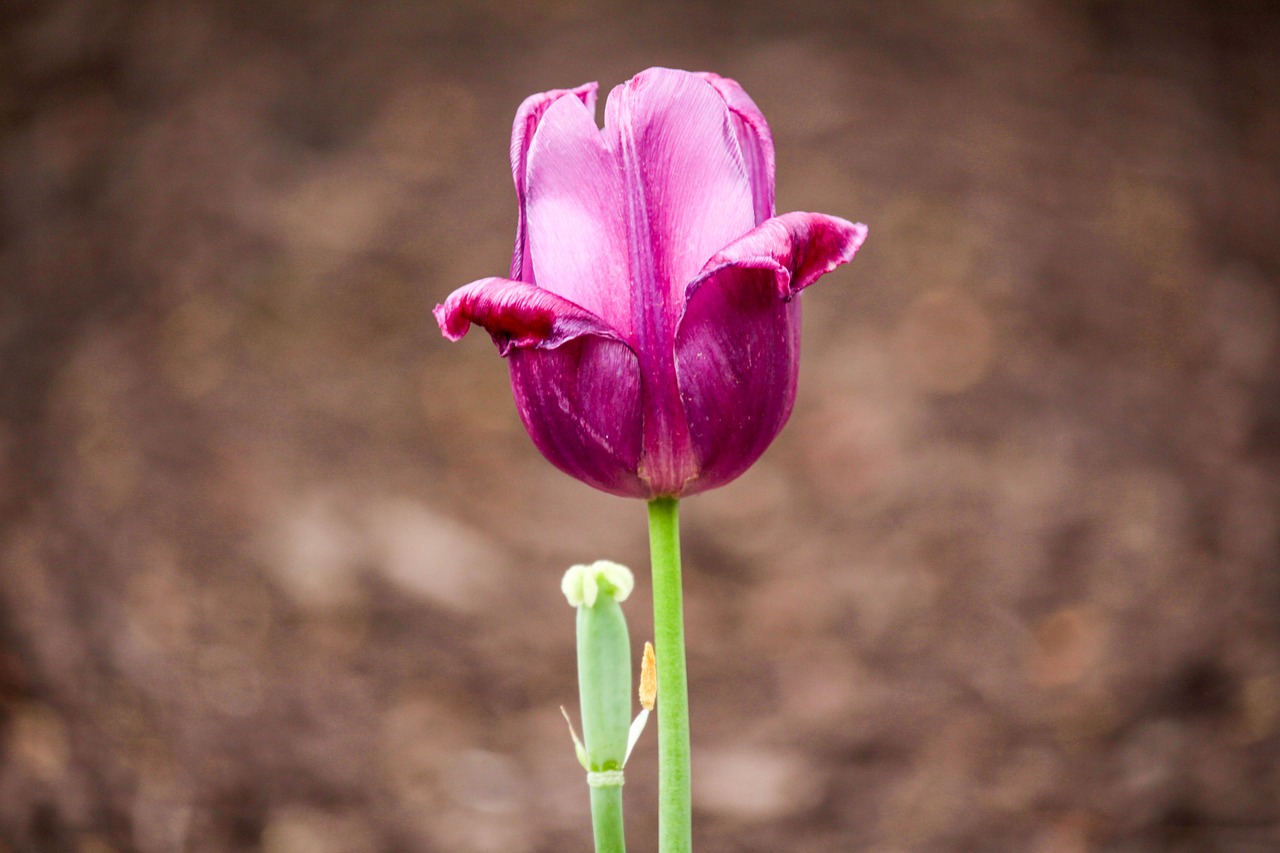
516 314
798 248
811 245
453 324
832 243
858 235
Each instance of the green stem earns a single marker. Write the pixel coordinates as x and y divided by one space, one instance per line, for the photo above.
606 819
675 817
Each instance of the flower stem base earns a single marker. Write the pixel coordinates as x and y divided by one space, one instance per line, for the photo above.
675 815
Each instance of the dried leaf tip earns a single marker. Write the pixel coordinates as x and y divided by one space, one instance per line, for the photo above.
578 747
648 678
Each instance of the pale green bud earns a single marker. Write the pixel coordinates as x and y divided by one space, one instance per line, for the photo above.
604 660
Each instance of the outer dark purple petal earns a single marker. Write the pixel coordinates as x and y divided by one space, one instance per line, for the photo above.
754 138
581 404
738 343
576 382
737 356
528 116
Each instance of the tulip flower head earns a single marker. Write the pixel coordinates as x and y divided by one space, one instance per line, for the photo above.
650 323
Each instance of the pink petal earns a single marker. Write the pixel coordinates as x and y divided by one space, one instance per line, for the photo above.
517 315
754 138
738 343
686 185
577 238
528 116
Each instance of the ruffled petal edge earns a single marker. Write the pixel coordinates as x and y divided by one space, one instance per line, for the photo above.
517 314
799 248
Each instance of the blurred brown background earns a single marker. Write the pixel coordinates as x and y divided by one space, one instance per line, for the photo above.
280 567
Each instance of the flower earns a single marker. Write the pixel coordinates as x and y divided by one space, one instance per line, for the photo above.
649 322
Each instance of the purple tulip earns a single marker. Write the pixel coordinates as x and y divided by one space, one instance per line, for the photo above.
650 323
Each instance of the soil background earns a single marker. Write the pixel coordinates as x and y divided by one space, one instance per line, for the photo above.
279 567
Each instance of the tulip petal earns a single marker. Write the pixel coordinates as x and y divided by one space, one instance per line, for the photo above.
528 116
517 315
577 238
686 186
576 382
738 343
737 359
581 405
685 193
754 138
